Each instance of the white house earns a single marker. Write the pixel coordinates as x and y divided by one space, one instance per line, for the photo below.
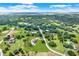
34 41
1 53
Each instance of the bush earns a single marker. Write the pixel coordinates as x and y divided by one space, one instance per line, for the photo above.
71 53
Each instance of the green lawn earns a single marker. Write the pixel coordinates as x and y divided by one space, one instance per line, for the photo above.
38 47
59 46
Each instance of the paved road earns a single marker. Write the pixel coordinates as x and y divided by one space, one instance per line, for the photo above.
1 53
1 41
47 43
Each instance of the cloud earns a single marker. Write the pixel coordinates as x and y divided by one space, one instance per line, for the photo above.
2 8
24 7
27 3
20 8
59 6
69 9
63 8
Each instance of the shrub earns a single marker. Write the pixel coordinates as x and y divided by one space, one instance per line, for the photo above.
71 53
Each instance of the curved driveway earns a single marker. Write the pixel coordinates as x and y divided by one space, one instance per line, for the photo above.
47 44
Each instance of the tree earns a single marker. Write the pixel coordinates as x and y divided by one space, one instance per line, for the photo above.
52 44
11 54
16 52
72 35
7 38
74 40
21 50
4 28
68 46
18 36
0 30
6 49
25 39
36 52
78 52
71 53
43 41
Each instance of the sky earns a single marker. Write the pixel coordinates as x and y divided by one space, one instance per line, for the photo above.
39 7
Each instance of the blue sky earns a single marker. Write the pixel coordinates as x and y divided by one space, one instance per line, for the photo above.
39 7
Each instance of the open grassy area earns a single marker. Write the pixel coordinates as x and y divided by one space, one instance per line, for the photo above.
40 47
25 45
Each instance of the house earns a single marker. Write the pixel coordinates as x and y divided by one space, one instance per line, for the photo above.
33 32
1 53
11 40
77 49
34 41
46 30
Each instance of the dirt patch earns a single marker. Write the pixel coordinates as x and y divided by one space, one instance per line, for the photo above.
42 54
